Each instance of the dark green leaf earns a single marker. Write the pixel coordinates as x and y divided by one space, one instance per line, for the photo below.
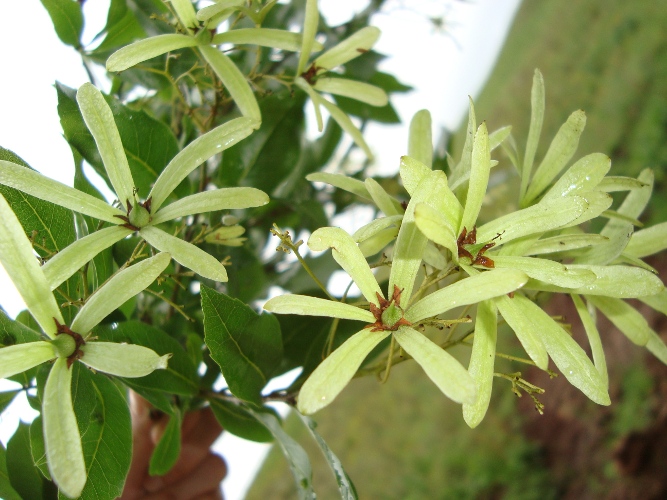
67 20
345 486
122 28
382 114
168 449
6 398
294 453
247 346
235 418
37 447
180 376
6 490
23 475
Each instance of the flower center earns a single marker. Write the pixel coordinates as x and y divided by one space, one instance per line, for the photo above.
139 216
389 316
68 343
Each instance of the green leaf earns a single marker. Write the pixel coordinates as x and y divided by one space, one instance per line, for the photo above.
67 20
588 320
38 448
168 449
6 398
314 306
7 491
148 48
420 141
536 121
121 28
479 178
295 455
238 420
246 346
24 477
441 367
625 317
345 486
180 376
561 150
336 371
482 361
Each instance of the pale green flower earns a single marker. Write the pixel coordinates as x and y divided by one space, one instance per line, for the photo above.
142 217
392 314
67 344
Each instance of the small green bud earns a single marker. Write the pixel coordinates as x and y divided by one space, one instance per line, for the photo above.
392 315
139 216
64 345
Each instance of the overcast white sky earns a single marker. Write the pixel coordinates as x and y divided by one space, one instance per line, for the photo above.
443 65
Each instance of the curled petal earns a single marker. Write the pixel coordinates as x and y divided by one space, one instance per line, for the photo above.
196 153
185 253
146 49
99 120
210 201
21 357
334 373
122 360
441 367
61 432
16 256
120 288
66 262
313 306
350 48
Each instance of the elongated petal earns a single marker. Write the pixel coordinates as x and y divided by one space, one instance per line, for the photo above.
186 254
185 12
234 81
598 202
62 440
119 289
657 301
346 124
482 286
497 137
346 252
378 241
584 175
565 242
211 11
657 347
568 356
613 183
196 153
310 23
265 37
636 200
388 205
350 48
621 282
420 141
360 91
73 257
525 330
334 373
560 151
436 227
16 256
21 357
44 188
462 170
340 181
536 121
375 226
482 362
122 360
625 317
441 367
99 120
315 97
209 201
546 270
479 179
412 171
313 306
146 49
593 338
411 242
434 257
545 216
618 238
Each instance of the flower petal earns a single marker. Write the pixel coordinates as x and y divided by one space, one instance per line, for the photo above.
479 179
265 37
40 186
145 49
315 97
436 227
350 48
346 124
196 153
536 121
482 361
388 205
16 256
210 201
119 289
314 306
62 440
584 175
340 181
185 12
625 317
21 357
497 137
346 252
185 253
648 241
420 141
334 373
412 171
234 81
69 260
441 367
122 360
593 335
565 242
310 24
99 120
360 91
211 11
482 286
546 270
